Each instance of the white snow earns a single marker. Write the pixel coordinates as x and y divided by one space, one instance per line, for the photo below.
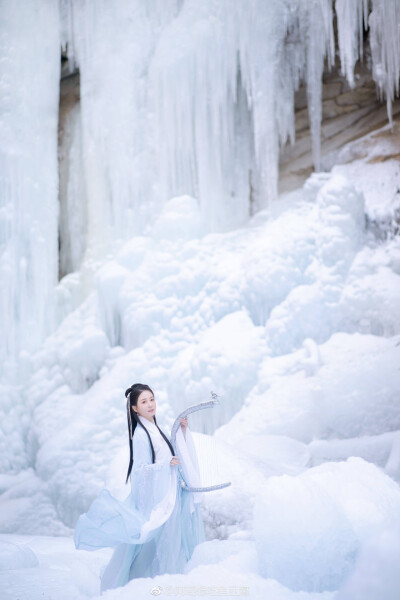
307 371
309 528
377 570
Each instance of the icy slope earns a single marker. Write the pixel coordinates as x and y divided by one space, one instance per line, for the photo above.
291 303
294 321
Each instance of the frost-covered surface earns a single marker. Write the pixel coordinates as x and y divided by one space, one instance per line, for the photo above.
294 321
176 97
29 93
338 506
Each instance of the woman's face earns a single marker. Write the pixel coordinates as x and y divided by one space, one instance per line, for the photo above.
146 405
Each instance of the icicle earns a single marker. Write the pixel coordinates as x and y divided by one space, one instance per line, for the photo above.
384 22
200 112
191 97
113 45
320 42
214 54
352 17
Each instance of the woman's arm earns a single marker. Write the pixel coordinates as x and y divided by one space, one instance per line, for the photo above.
150 482
142 459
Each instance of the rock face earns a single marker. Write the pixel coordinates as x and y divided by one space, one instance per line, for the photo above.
347 114
72 200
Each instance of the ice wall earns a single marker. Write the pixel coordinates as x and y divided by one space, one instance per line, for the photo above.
29 84
195 98
384 23
177 97
383 19
282 318
112 43
186 97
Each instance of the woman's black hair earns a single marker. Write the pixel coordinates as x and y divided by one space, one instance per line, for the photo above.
132 394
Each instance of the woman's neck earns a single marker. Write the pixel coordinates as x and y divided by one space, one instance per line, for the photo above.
146 419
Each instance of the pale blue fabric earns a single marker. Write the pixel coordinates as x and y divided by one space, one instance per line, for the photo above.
112 523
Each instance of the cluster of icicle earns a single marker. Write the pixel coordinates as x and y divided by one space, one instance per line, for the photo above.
176 97
219 78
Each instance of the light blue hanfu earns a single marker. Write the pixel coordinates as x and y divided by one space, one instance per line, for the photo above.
156 528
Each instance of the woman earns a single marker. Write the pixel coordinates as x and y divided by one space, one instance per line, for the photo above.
157 527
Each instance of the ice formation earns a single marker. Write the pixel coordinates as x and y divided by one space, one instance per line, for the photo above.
30 76
176 98
305 385
186 276
313 547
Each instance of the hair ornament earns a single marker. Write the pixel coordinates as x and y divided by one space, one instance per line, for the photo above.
128 408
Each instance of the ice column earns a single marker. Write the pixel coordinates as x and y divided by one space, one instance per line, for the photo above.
352 18
320 42
29 94
384 23
112 43
223 63
188 97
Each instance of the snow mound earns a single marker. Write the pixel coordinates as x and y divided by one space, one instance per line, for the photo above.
309 528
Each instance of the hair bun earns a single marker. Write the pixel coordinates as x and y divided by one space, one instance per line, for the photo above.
128 391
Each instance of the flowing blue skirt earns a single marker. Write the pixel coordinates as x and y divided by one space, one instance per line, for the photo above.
167 551
153 531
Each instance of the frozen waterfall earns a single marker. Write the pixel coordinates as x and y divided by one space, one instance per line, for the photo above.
142 238
29 89
176 97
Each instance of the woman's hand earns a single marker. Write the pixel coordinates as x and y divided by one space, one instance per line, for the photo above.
174 461
184 424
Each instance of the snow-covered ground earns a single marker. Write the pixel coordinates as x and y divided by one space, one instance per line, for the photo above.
294 320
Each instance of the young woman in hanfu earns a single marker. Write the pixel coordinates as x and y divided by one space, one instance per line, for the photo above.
155 530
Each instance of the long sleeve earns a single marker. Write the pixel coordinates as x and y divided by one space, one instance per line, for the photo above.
109 522
153 485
